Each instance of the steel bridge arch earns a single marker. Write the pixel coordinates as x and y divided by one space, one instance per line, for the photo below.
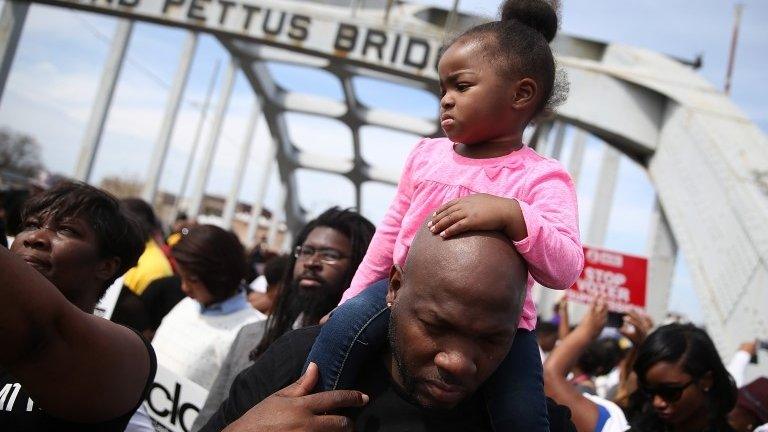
706 160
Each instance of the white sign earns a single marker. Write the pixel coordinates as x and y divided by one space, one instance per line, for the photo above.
173 401
108 301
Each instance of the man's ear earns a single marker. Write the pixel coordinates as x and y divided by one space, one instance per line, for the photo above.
107 268
525 94
395 282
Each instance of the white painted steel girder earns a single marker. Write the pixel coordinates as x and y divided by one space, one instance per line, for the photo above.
12 19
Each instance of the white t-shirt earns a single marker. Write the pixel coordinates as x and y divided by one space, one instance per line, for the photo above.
194 345
604 383
616 422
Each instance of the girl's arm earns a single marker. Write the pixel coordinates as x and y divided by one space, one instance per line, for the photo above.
74 365
552 248
543 225
378 259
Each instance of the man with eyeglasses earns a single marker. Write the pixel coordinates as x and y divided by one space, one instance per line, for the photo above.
326 255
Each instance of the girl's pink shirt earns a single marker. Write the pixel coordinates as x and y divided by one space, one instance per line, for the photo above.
435 174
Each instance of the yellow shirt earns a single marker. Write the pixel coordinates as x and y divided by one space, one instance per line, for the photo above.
173 239
152 265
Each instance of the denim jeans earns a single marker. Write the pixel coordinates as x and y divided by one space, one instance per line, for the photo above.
355 330
515 392
358 329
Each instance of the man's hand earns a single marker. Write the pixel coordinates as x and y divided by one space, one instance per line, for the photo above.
295 409
479 212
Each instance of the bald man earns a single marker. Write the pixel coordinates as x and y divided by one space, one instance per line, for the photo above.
454 305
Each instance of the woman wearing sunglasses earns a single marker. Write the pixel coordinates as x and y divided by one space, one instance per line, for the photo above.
682 383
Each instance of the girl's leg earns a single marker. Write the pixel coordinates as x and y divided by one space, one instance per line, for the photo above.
515 392
355 330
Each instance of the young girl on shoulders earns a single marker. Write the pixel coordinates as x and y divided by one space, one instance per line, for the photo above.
495 79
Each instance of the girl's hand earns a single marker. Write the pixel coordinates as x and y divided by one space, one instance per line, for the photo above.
479 212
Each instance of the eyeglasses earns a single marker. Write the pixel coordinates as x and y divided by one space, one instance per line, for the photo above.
327 255
670 394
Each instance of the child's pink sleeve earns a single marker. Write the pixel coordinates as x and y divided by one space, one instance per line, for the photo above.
378 259
552 249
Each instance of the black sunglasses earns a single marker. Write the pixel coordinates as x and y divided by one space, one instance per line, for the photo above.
670 394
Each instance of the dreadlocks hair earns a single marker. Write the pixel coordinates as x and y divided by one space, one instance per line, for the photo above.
348 222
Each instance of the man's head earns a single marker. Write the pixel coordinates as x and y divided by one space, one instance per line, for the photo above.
80 239
455 309
326 255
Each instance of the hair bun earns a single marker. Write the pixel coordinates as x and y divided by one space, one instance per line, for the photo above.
540 15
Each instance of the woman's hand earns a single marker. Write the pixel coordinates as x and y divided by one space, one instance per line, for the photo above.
596 318
479 212
636 327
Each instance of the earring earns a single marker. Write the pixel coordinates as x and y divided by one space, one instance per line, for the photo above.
389 304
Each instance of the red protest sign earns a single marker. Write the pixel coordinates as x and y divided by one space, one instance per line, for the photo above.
619 278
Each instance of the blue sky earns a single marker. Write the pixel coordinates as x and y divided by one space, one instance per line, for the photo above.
61 54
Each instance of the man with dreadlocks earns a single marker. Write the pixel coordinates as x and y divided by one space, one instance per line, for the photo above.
326 255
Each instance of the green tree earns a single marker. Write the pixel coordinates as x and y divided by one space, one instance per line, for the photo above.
19 153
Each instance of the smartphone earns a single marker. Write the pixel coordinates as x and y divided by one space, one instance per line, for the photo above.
615 319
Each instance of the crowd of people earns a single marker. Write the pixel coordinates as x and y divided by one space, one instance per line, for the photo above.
423 323
61 361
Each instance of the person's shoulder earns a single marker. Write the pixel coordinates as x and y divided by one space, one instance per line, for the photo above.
298 340
290 350
427 152
432 145
186 305
278 366
541 169
252 331
185 311
247 339
164 283
533 159
615 420
154 258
